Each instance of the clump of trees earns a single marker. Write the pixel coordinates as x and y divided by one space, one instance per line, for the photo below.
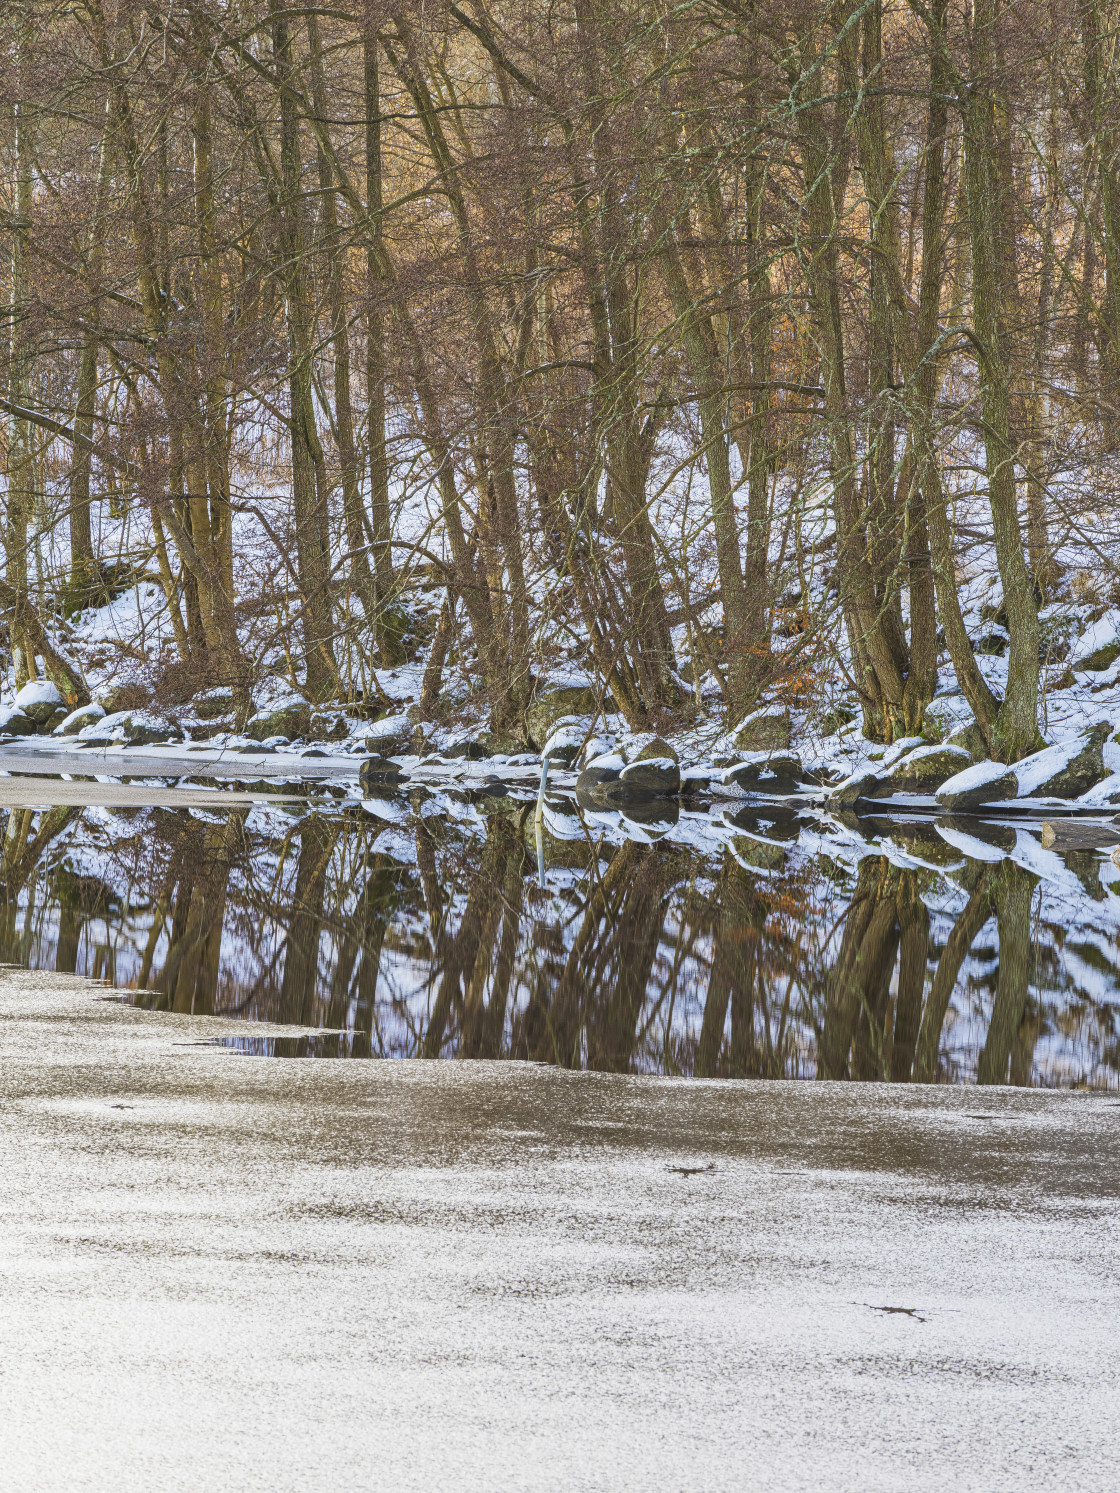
269 273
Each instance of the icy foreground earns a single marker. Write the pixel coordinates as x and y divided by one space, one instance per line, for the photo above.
227 1273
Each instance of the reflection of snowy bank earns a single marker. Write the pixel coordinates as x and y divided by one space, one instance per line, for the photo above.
421 917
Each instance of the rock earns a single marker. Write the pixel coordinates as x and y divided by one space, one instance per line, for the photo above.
291 718
39 699
993 644
764 730
472 750
76 720
497 745
1095 663
659 775
925 769
133 727
212 703
393 735
839 715
646 749
1064 771
970 739
696 779
121 697
982 783
331 727
13 722
861 784
564 742
380 770
760 766
611 781
551 704
602 770
597 746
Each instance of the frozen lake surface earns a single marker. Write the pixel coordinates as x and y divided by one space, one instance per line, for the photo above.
227 1273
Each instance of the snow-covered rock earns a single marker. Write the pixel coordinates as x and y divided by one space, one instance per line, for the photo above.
39 700
564 742
768 729
13 722
85 715
210 704
647 767
982 783
552 704
133 727
757 767
926 768
1066 770
290 717
1063 771
390 736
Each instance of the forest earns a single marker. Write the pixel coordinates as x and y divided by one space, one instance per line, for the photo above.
707 354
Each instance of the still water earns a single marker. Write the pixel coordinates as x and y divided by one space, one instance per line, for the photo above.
757 941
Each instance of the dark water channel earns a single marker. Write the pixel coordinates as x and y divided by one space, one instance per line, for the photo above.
753 941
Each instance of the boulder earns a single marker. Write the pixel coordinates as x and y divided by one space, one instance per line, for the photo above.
39 700
982 783
597 746
1099 660
380 770
552 704
862 784
755 770
496 744
764 730
607 769
133 727
85 715
565 742
469 748
332 727
13 722
1064 771
290 718
212 703
393 735
696 779
648 749
659 775
925 769
612 781
970 739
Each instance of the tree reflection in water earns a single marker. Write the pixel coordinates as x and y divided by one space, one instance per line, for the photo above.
426 933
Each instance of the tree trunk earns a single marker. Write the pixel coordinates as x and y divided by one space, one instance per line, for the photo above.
1015 732
309 498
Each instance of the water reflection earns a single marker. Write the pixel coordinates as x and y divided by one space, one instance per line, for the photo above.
764 945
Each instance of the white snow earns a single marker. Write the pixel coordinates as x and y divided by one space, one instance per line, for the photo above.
976 776
1034 772
38 692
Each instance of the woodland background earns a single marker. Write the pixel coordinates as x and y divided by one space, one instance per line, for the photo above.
712 349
